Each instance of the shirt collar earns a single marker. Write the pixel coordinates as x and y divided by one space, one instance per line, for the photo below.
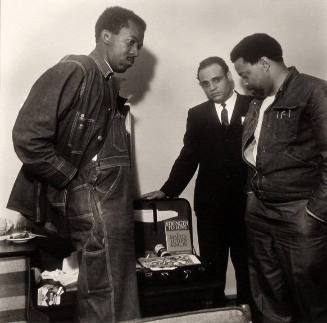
102 64
231 100
230 103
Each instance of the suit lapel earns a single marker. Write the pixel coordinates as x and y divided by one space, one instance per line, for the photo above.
212 115
238 112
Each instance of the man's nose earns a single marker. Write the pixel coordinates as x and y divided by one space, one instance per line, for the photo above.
212 86
134 51
247 85
245 82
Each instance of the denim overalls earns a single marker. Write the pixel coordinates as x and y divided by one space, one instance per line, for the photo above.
102 228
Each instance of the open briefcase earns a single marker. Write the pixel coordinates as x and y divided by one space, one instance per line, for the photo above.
176 282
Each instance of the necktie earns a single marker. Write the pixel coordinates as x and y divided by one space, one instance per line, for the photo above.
224 115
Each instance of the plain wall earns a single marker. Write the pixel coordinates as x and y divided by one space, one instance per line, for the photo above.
162 84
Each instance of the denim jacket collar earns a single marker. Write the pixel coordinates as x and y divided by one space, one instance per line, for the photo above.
103 66
292 72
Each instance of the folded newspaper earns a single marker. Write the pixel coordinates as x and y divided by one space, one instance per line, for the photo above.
169 262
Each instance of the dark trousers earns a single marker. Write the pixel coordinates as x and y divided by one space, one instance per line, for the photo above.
287 262
221 230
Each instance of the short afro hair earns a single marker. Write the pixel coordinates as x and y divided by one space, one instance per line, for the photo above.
253 47
114 19
213 60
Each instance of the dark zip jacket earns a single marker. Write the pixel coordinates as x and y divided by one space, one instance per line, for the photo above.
292 150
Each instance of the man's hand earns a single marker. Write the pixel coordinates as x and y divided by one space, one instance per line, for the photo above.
154 195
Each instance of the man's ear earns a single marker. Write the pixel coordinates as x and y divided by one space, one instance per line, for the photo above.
106 36
265 63
229 75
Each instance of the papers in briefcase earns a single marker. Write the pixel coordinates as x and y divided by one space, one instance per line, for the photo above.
169 262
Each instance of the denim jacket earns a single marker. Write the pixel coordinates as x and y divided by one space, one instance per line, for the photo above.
60 127
291 160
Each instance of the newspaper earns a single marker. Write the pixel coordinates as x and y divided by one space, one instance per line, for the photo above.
169 262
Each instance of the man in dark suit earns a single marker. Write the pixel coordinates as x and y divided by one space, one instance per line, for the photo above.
213 142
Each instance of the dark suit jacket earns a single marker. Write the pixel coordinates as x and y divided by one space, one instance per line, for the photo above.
216 149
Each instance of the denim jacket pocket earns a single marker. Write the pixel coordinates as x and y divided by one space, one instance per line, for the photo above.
50 209
57 199
299 158
283 121
48 199
80 133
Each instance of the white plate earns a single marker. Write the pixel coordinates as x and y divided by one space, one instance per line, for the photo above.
17 238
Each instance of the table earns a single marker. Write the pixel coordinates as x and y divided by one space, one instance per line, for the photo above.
15 280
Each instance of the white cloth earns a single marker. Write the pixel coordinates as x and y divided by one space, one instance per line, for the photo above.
251 151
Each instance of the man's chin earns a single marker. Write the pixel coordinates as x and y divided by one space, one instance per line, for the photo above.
217 99
258 93
122 68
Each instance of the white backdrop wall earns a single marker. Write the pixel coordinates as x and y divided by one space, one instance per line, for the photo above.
162 85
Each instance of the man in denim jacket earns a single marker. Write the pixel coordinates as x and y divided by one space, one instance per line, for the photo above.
70 136
285 146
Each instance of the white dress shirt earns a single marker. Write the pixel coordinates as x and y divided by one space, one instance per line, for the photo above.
251 150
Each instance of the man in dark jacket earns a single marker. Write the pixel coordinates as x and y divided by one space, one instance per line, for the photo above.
213 142
285 146
70 136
